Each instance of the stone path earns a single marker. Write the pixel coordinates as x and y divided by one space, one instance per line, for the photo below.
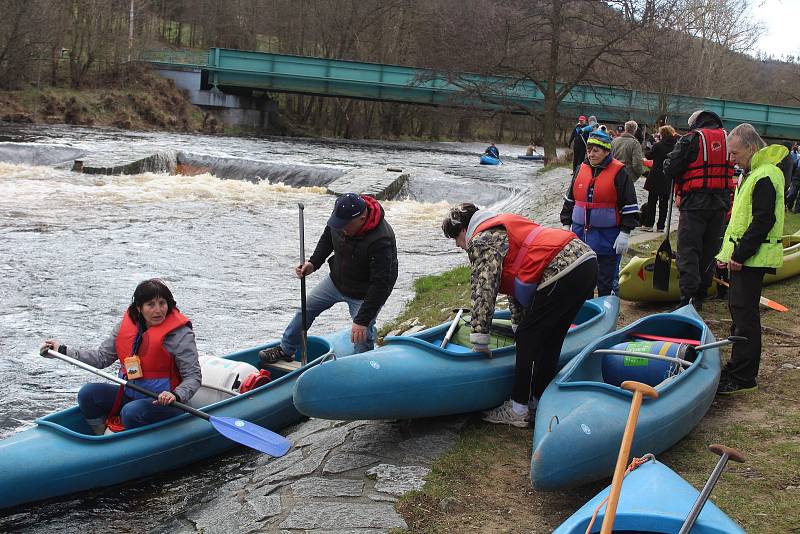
339 478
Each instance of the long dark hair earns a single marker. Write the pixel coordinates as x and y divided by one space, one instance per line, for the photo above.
458 219
147 291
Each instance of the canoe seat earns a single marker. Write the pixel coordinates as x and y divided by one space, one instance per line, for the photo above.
501 334
284 365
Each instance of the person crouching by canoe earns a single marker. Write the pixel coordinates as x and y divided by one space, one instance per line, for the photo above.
751 248
155 346
547 274
363 271
600 206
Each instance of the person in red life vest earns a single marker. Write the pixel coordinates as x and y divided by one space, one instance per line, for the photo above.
601 208
547 274
155 342
702 176
363 271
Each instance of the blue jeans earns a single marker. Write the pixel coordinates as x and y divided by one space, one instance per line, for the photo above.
322 297
608 274
96 400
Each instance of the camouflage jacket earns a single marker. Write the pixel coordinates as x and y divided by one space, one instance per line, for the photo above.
486 251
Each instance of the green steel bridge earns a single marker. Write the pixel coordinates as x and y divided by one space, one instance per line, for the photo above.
240 71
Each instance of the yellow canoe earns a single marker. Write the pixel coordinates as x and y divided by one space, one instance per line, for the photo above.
636 278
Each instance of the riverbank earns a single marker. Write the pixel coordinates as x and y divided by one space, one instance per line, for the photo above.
482 484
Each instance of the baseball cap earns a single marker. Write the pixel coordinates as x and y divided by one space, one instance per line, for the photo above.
582 118
347 207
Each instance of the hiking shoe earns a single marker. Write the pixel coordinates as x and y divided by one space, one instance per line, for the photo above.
646 228
505 415
273 355
731 387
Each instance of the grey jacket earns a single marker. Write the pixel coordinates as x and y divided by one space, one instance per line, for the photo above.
179 343
626 148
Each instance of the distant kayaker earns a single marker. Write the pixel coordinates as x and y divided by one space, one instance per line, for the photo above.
751 248
547 274
363 271
531 150
155 346
492 151
600 206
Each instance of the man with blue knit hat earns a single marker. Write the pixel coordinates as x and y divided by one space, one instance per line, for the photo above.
600 206
363 271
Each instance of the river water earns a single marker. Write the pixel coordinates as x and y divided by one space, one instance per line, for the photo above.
74 246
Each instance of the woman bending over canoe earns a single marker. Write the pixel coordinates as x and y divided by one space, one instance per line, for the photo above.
547 274
155 346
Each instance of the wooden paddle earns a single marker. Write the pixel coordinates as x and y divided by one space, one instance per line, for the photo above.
725 453
639 391
663 260
238 430
303 312
764 301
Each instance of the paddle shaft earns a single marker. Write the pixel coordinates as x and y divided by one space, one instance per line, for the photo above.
725 453
764 301
647 355
303 310
452 329
122 382
624 452
663 260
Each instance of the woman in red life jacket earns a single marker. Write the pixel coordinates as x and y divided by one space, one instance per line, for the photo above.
547 274
155 346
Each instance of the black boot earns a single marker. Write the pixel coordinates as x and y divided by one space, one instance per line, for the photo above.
272 355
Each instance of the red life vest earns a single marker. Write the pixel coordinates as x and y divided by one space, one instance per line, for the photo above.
602 211
531 248
711 169
156 361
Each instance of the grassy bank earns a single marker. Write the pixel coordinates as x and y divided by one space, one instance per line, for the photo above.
482 484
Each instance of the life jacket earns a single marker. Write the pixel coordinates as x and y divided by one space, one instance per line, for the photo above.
711 169
596 197
158 365
531 248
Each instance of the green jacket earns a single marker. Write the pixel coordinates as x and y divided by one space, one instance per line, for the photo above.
762 166
626 148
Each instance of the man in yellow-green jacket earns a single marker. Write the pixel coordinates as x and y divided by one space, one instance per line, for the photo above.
750 249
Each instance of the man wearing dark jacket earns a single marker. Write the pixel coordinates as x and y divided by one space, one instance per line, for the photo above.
702 176
578 142
656 185
363 271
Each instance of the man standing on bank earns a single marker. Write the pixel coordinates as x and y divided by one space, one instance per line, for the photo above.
702 175
363 271
751 248
547 274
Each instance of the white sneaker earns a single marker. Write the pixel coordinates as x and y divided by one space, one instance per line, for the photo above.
505 415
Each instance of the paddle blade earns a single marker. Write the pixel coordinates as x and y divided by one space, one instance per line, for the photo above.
772 304
251 435
662 266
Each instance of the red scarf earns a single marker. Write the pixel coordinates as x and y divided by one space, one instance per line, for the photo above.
373 215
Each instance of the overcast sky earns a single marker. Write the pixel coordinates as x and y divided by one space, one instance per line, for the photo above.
782 21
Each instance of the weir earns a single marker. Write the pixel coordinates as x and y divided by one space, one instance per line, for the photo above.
382 184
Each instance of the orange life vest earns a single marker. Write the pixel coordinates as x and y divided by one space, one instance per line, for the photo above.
156 361
531 248
602 210
711 169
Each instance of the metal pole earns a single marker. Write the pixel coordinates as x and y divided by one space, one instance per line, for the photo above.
304 335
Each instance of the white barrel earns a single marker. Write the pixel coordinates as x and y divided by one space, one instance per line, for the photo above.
219 378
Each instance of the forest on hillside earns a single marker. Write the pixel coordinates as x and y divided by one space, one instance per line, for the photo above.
692 47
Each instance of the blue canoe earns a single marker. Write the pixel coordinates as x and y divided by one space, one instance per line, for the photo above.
581 418
489 160
654 500
412 377
60 456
